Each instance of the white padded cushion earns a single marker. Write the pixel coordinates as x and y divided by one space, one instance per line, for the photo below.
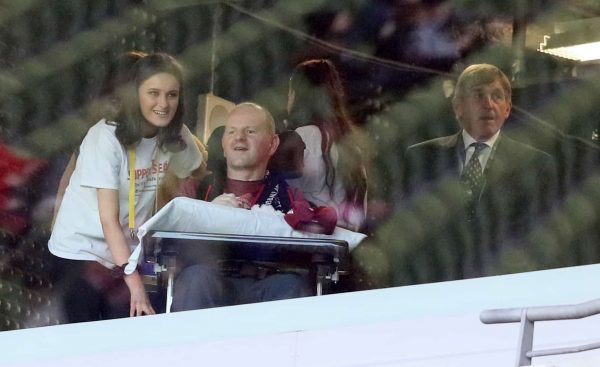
191 215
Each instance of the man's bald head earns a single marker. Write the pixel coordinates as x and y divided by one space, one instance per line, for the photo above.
249 141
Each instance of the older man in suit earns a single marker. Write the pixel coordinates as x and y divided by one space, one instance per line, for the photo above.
491 189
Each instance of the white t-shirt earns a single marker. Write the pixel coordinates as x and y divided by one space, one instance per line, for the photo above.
313 184
103 163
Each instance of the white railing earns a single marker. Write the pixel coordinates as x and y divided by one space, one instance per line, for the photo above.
528 316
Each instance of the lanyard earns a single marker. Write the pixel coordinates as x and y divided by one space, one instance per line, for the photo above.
132 192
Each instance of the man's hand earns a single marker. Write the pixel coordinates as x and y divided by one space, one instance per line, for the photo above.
227 200
243 201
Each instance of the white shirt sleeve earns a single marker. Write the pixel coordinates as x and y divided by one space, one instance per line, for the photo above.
313 175
100 158
185 162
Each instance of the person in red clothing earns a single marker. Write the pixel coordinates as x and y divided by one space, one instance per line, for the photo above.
249 141
16 172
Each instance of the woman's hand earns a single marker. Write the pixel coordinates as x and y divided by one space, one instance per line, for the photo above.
140 304
108 206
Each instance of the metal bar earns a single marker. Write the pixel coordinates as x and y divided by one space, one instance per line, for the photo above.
518 41
525 340
544 313
216 17
170 292
252 238
528 316
565 350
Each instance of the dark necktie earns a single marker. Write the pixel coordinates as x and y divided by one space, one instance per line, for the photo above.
472 174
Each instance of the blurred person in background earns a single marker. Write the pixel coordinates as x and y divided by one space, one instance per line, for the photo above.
334 172
18 171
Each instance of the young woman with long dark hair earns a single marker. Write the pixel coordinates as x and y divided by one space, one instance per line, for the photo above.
334 172
113 191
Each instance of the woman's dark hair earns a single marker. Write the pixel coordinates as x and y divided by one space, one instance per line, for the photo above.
119 72
319 99
117 76
108 101
131 122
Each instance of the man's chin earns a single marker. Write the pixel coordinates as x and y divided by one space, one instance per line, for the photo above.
238 165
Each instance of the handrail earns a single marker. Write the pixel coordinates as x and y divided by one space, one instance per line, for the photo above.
527 316
542 313
567 350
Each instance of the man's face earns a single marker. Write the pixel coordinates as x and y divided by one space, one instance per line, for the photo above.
482 109
248 144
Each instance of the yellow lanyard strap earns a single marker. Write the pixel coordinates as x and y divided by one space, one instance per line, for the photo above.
132 191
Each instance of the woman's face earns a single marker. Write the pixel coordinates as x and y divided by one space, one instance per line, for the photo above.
159 98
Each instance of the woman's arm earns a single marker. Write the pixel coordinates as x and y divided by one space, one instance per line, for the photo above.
108 206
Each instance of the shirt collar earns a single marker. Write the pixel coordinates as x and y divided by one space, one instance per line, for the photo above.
468 139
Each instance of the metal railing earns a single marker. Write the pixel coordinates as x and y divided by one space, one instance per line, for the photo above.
529 315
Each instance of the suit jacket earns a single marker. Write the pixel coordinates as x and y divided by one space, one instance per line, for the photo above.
458 242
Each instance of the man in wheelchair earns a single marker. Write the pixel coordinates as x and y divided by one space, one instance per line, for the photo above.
249 141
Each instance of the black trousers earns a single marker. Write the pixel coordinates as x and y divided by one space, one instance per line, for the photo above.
89 292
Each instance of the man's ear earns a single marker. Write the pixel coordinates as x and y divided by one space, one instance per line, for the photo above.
508 109
274 144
